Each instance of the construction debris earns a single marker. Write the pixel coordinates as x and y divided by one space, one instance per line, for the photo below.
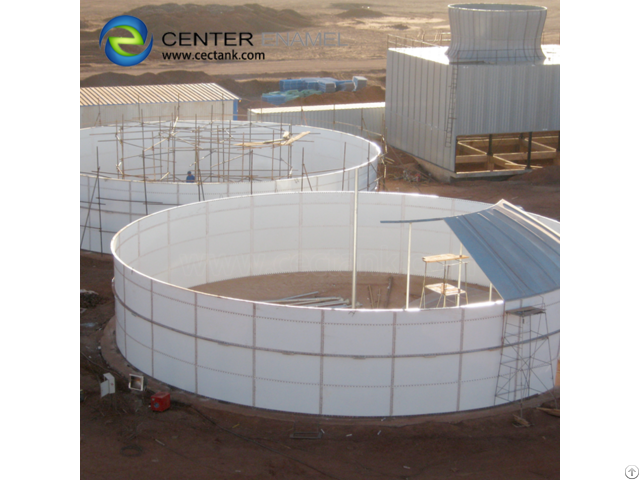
520 422
551 411
88 299
306 300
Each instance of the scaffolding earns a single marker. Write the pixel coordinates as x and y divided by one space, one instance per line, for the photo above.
154 156
525 349
223 152
446 260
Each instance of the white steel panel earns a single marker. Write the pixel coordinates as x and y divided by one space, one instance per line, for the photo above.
224 386
370 336
439 332
224 358
154 263
295 397
478 365
482 327
354 372
173 307
289 335
120 321
229 244
139 355
139 329
173 344
288 217
118 279
153 238
371 402
320 216
325 238
274 262
478 394
225 320
288 368
420 400
138 298
272 240
174 372
187 269
128 250
426 371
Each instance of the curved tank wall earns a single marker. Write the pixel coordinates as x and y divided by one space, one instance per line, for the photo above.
122 194
301 359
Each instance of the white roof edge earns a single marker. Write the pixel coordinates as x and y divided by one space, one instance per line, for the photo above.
312 108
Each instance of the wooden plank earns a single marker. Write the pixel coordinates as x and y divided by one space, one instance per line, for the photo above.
504 163
469 150
522 156
464 159
448 289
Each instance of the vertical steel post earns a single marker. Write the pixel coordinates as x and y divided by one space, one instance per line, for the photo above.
144 167
354 280
459 276
99 199
408 265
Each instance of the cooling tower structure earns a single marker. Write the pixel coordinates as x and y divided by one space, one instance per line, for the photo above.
132 170
340 361
488 104
493 33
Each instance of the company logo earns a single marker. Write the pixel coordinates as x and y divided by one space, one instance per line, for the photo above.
632 472
113 48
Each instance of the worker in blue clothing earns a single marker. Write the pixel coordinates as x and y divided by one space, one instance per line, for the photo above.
190 177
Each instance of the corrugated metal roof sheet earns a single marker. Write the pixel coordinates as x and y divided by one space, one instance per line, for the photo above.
197 92
519 255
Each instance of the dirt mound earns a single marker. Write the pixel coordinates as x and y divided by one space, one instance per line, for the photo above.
361 13
252 18
349 6
111 79
544 176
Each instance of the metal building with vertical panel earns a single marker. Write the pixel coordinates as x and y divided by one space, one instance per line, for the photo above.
362 119
108 105
489 104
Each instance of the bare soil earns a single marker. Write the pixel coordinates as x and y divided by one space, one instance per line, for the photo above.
121 438
372 290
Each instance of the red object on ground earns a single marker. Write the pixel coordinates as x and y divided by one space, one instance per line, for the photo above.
160 401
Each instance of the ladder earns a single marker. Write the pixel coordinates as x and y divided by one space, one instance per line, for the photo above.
452 105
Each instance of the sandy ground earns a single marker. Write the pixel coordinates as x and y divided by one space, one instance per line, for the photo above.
121 438
372 291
